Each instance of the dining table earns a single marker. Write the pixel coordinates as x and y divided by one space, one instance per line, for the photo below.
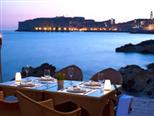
91 96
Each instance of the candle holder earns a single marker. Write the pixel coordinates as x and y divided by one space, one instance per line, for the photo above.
18 78
107 85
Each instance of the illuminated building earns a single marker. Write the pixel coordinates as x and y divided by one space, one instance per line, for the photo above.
75 24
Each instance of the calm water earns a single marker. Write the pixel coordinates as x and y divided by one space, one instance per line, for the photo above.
91 51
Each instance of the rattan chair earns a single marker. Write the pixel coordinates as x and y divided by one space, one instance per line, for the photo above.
109 73
77 73
36 95
11 91
8 90
34 108
8 108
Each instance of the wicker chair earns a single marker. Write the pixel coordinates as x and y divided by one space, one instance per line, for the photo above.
111 74
45 108
8 90
77 73
8 108
11 91
36 95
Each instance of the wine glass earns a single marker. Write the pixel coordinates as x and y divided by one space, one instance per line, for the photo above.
26 69
46 73
100 78
70 74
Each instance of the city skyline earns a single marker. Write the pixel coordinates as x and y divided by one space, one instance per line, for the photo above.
13 11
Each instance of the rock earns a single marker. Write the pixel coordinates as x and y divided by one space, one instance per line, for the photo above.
138 80
38 71
149 89
150 66
146 47
134 78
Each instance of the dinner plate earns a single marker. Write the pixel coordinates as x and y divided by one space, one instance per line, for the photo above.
76 90
92 84
26 85
47 79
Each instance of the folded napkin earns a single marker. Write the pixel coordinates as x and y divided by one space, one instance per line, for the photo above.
124 105
26 85
93 83
76 90
79 92
47 79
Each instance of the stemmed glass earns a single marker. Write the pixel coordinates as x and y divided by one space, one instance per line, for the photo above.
70 74
47 75
26 69
100 78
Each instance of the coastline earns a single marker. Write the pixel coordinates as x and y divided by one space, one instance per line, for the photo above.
80 24
92 51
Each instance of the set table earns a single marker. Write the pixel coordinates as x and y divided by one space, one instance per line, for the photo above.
92 99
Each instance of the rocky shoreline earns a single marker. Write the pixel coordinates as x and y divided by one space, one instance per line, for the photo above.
138 81
146 47
38 71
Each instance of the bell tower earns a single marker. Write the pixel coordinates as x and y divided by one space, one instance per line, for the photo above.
151 15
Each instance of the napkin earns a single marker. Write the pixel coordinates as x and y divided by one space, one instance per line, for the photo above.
79 92
47 79
26 85
76 90
92 83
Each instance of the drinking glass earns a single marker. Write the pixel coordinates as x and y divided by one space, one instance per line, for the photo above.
35 81
70 74
100 78
26 69
47 73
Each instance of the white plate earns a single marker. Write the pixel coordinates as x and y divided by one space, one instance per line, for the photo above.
51 79
92 84
26 85
71 90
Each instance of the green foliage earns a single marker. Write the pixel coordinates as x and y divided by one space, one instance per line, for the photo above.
60 76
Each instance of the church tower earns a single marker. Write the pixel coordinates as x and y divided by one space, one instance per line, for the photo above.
151 15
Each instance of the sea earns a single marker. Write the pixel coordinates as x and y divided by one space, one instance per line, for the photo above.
91 51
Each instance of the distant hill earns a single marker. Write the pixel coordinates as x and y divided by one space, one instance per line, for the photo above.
68 24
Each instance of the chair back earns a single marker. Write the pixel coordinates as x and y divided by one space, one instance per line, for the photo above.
27 105
8 90
9 109
1 94
36 95
77 73
11 91
109 73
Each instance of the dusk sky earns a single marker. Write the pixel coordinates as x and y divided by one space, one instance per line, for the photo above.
13 11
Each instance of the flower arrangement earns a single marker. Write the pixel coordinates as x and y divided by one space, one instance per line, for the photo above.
60 76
